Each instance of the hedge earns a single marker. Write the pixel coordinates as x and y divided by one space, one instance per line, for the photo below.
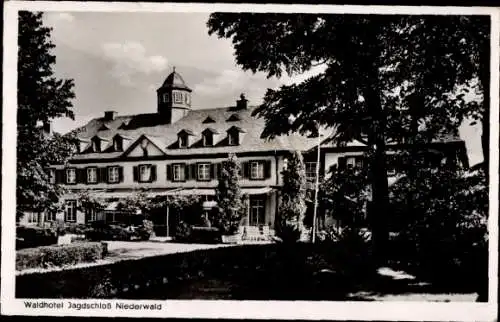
59 255
246 267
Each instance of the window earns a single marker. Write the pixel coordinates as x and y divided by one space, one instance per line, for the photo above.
183 141
256 170
70 212
186 98
257 212
233 138
96 145
71 176
203 171
310 170
113 175
144 173
166 98
52 176
350 162
32 217
91 214
208 139
179 172
50 216
178 97
359 162
91 175
118 144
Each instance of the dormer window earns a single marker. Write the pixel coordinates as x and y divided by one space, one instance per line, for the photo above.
233 118
183 141
208 139
233 135
183 138
96 145
208 136
208 120
118 143
233 138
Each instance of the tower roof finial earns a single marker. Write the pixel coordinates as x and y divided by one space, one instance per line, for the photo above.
174 69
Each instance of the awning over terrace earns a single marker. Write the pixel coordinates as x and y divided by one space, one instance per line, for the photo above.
211 192
176 192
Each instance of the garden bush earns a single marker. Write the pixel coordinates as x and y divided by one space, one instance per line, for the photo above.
77 229
59 255
288 233
27 237
444 236
205 235
182 232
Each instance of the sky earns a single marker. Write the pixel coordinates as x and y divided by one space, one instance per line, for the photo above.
118 60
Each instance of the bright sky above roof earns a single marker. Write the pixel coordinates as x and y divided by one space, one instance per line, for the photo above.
118 60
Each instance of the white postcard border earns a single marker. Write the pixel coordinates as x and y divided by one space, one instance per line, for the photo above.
457 311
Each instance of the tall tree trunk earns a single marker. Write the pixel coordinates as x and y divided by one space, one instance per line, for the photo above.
380 191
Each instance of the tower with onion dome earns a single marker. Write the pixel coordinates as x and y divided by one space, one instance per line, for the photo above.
174 98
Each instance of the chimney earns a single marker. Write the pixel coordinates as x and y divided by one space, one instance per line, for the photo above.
241 104
109 115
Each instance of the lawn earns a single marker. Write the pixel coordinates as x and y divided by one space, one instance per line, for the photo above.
299 272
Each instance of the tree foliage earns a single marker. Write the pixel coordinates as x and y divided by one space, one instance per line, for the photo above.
344 195
450 234
292 206
375 68
229 198
41 98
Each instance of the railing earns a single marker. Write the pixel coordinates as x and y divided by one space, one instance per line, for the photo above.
256 233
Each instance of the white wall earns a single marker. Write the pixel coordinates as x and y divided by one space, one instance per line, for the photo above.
161 174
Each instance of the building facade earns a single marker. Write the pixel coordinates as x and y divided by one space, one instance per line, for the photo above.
178 150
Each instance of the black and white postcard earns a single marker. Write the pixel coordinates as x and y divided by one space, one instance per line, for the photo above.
250 161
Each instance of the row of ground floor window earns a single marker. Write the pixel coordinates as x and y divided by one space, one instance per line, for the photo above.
261 212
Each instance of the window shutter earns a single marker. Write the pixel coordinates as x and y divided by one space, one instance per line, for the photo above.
185 167
81 175
136 173
219 170
342 163
194 173
267 169
169 172
359 162
103 174
60 176
213 173
246 169
152 178
120 174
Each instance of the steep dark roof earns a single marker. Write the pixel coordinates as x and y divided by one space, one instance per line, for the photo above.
166 134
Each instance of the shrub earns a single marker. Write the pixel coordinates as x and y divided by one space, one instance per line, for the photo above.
59 255
288 233
444 237
205 235
110 232
77 229
146 230
183 231
27 237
